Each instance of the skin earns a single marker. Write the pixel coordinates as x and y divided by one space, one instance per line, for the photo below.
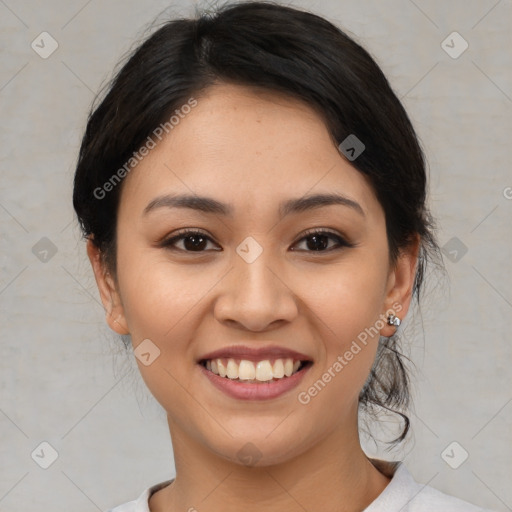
252 150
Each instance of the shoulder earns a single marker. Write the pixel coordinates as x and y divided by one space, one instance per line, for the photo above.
125 507
429 499
404 494
141 504
130 506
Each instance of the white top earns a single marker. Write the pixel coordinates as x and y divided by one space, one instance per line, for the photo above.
402 494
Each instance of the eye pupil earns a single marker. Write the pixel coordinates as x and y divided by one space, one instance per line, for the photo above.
318 239
198 244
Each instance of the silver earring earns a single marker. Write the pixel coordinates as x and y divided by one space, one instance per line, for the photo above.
394 320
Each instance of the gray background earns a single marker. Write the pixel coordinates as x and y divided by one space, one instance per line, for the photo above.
64 378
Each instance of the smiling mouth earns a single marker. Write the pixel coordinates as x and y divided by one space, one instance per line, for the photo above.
243 370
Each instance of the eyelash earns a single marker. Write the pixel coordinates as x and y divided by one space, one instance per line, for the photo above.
186 233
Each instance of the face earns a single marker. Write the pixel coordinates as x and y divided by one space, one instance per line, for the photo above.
256 275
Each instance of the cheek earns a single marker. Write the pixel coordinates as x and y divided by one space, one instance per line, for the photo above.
348 296
162 302
157 294
346 302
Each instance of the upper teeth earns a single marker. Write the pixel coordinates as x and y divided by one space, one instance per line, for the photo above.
247 370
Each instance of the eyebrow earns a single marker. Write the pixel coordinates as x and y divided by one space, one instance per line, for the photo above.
212 206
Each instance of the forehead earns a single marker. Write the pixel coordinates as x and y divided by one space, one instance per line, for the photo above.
249 146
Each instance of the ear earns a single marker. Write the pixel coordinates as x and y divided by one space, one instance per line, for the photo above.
114 311
400 284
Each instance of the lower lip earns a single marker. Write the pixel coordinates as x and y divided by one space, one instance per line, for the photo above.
263 391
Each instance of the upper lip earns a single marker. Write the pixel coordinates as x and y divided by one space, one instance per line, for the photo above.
255 354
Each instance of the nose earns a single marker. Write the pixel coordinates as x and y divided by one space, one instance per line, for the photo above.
256 296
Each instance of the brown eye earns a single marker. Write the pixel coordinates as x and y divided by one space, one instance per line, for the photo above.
318 241
193 241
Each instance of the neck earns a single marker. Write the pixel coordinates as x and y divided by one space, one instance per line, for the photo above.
334 476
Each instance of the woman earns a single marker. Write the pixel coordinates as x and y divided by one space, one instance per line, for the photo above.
253 197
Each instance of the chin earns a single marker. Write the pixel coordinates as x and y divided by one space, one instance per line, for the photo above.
261 449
